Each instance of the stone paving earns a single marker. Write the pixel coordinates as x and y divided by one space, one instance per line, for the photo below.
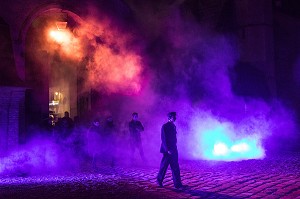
273 177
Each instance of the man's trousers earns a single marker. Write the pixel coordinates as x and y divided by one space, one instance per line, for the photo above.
172 160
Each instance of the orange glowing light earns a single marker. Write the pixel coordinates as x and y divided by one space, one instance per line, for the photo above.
109 69
132 68
60 36
69 45
61 25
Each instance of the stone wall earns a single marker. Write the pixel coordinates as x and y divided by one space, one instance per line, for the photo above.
12 112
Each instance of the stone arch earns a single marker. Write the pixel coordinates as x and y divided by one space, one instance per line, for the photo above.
8 76
37 72
44 9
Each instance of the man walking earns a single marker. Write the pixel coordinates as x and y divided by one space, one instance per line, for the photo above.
169 150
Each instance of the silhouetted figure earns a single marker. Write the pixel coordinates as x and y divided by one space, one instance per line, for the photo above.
122 141
78 137
49 125
169 150
108 140
94 139
66 126
135 129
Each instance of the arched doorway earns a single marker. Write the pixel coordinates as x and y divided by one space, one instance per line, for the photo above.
51 74
108 63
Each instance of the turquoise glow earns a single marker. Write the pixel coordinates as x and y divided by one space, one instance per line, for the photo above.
226 141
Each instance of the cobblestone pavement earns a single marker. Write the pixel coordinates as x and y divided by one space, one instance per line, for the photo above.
273 177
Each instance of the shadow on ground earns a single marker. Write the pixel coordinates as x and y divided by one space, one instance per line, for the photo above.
204 194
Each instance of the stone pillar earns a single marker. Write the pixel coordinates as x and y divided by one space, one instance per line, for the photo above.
12 111
73 93
255 28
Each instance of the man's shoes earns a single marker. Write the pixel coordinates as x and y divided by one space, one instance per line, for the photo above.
159 183
181 187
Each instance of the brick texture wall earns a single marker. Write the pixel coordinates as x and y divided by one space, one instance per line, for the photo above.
12 101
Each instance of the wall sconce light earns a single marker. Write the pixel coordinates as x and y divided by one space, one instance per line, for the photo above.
61 25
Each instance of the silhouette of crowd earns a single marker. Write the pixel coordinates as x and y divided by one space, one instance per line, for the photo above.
100 140
103 141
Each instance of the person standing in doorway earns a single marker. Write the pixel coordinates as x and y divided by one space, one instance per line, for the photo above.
66 126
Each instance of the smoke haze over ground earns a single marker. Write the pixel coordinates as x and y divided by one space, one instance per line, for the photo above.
186 68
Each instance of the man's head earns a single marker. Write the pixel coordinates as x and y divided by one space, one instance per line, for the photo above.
96 122
172 116
109 119
135 116
67 114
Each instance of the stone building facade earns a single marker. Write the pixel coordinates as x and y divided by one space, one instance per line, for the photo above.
253 21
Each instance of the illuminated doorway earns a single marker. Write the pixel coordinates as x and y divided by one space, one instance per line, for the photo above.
51 75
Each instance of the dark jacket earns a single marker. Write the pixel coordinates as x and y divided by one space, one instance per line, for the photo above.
135 127
66 126
168 138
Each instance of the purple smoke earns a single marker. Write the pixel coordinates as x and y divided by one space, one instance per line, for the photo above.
186 69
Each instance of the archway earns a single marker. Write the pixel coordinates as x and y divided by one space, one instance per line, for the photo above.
51 74
74 65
